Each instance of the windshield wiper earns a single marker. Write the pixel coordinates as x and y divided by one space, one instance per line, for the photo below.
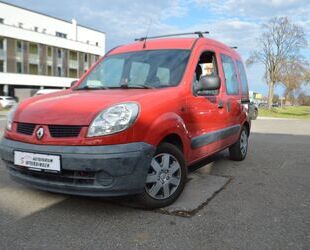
91 88
135 86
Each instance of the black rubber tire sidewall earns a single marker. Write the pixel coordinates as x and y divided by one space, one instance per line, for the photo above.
146 201
235 151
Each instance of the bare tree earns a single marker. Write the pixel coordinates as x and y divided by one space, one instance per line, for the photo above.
293 74
280 41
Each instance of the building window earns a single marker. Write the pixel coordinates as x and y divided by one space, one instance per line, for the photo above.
73 73
1 66
19 46
59 73
85 58
44 31
20 25
33 69
36 29
1 43
62 35
1 20
49 70
73 55
59 54
97 43
49 51
19 67
33 48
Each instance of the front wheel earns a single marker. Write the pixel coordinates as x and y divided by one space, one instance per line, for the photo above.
238 151
165 179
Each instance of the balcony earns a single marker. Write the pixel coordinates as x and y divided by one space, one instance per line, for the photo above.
73 64
33 59
2 54
59 62
19 56
49 61
86 65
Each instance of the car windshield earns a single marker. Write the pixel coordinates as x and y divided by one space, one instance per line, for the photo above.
142 69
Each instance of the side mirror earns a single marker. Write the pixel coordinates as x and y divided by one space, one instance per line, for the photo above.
208 83
73 83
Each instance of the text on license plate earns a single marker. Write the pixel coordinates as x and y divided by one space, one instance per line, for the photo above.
37 161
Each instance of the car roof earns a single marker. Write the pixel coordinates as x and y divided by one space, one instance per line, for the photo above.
171 43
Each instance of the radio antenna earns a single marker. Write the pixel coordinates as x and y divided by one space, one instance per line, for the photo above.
147 33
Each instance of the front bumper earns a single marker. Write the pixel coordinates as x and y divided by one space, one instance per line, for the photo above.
101 171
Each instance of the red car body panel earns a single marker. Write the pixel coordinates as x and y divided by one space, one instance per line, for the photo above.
163 112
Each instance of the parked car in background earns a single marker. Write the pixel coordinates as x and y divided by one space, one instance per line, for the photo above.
275 105
134 123
263 105
253 111
7 102
46 91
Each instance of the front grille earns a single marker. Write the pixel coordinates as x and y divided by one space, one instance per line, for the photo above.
64 131
25 128
66 176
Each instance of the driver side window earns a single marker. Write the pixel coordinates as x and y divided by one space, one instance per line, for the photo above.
206 66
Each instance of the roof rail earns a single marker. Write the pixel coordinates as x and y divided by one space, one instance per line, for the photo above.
199 33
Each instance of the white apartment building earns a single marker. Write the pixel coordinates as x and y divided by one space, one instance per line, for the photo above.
40 51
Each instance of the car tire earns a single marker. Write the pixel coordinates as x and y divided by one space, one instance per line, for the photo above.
166 178
238 151
255 114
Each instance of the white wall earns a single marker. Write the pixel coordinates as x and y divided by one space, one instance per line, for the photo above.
36 37
35 80
13 16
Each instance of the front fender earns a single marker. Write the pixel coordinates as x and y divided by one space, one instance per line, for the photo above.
167 124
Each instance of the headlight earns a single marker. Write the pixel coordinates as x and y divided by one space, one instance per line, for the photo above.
10 116
114 119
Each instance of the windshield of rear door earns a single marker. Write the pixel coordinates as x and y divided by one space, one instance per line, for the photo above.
151 69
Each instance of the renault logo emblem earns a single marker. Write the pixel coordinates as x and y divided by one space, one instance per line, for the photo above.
40 133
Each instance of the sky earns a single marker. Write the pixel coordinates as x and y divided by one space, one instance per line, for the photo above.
236 23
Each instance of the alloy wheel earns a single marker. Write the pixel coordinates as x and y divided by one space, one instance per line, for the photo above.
164 176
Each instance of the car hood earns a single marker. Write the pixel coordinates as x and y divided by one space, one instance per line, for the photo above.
74 107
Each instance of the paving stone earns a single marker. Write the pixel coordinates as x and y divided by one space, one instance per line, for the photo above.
200 188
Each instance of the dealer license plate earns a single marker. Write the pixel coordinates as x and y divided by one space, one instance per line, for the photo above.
37 161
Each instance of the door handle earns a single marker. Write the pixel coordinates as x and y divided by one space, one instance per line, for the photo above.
220 105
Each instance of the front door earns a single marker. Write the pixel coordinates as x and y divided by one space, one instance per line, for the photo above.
207 117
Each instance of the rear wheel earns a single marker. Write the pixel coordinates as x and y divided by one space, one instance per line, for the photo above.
165 179
238 151
255 114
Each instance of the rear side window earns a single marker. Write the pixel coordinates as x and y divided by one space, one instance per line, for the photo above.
243 78
232 85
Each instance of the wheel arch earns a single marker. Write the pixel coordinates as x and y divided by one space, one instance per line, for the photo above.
247 125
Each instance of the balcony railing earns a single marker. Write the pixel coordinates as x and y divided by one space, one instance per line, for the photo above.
73 64
34 59
2 53
49 61
86 66
19 55
59 61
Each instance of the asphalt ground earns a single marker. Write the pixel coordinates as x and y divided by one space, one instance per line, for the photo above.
265 205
